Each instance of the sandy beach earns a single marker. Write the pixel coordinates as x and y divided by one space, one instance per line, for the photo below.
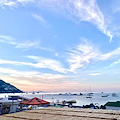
54 113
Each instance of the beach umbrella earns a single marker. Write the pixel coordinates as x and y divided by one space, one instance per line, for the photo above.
35 101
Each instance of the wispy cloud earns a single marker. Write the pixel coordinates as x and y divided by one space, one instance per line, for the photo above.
27 45
15 62
90 12
7 3
84 11
16 73
95 74
40 18
24 45
80 9
48 63
114 63
34 79
7 39
111 54
24 2
31 74
86 53
14 3
81 55
40 63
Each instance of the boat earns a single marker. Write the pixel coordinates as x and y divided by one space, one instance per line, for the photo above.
104 95
81 94
114 95
88 96
71 101
113 105
94 106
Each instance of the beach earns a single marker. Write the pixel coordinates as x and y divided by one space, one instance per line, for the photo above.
54 113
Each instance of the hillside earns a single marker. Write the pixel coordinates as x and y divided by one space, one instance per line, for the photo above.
8 88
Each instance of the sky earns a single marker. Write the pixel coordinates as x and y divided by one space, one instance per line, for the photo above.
60 45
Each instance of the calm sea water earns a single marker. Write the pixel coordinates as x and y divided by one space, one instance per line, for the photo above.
81 100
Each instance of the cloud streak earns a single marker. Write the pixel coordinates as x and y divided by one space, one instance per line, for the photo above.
7 39
31 74
90 12
82 55
23 45
114 63
111 54
84 11
86 53
40 63
95 74
39 81
40 18
48 63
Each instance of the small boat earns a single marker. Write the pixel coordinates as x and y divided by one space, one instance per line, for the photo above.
81 94
105 95
114 95
71 101
94 106
88 96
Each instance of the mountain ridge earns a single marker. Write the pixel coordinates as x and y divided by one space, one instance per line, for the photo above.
8 88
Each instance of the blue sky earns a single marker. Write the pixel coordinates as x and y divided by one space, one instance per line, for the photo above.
58 45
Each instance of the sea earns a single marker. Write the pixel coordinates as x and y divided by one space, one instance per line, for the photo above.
96 98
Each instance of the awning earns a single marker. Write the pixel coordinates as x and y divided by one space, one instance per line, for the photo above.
35 101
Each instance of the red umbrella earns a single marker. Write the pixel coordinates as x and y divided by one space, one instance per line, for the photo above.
35 101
